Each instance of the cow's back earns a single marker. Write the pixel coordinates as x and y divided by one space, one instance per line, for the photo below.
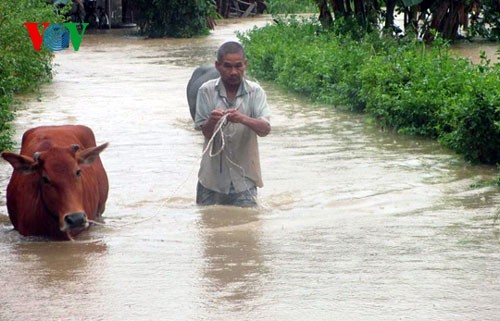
66 135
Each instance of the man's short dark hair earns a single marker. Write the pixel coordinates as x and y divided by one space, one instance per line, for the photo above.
229 47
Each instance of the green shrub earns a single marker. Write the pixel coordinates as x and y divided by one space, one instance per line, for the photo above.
175 18
475 127
404 84
406 87
298 54
21 67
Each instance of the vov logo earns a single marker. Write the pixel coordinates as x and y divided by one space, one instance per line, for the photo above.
55 37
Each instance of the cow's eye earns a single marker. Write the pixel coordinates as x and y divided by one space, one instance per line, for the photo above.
78 173
45 180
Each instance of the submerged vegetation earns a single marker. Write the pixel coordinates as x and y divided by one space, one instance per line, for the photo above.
402 83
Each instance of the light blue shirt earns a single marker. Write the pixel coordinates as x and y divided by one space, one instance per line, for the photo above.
238 164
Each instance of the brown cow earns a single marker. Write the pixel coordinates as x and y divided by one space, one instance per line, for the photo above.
58 183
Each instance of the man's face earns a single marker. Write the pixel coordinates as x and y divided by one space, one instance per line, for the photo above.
232 68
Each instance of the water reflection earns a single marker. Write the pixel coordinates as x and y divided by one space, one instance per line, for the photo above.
48 280
231 249
57 263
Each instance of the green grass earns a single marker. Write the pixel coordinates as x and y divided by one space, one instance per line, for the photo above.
290 6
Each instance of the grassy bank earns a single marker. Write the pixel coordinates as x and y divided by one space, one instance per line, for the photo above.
21 67
401 83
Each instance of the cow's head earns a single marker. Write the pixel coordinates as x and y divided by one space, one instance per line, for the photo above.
59 178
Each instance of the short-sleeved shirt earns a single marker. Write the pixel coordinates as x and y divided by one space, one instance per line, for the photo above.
239 163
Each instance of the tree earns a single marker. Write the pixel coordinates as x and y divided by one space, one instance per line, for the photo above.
446 17
365 12
175 18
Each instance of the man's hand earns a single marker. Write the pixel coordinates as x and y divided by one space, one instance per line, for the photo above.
209 126
234 116
216 114
260 126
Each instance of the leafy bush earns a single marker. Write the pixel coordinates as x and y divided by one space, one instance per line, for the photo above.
475 121
299 55
404 84
21 67
175 18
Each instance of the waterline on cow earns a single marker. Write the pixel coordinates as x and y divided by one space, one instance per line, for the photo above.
74 221
93 241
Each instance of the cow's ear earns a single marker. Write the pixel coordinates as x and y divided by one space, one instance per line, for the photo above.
21 163
89 155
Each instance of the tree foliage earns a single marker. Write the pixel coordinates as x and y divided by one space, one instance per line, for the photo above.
21 67
422 17
485 20
175 18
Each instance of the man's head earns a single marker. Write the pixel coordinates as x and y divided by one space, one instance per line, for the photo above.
231 63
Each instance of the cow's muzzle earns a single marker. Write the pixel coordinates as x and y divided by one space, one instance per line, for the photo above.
75 221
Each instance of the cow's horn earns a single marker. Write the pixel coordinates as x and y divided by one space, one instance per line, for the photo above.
75 148
36 155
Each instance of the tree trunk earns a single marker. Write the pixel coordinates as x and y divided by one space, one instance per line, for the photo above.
447 18
223 7
348 8
325 16
338 8
437 19
360 12
453 20
389 16
411 19
371 9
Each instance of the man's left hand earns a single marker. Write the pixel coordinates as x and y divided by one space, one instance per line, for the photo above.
235 116
260 126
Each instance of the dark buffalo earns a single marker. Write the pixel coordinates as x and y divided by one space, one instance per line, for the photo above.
58 183
198 78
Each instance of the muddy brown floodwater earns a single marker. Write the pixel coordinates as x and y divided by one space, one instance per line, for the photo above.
354 223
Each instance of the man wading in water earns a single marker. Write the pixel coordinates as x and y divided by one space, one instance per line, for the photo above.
230 166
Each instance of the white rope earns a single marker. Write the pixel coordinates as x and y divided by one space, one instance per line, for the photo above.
162 205
218 129
220 124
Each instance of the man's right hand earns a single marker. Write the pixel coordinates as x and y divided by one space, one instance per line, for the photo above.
216 114
209 126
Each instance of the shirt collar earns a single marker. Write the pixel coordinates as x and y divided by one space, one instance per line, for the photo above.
243 90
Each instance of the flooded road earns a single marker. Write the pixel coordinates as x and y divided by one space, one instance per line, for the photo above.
354 223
